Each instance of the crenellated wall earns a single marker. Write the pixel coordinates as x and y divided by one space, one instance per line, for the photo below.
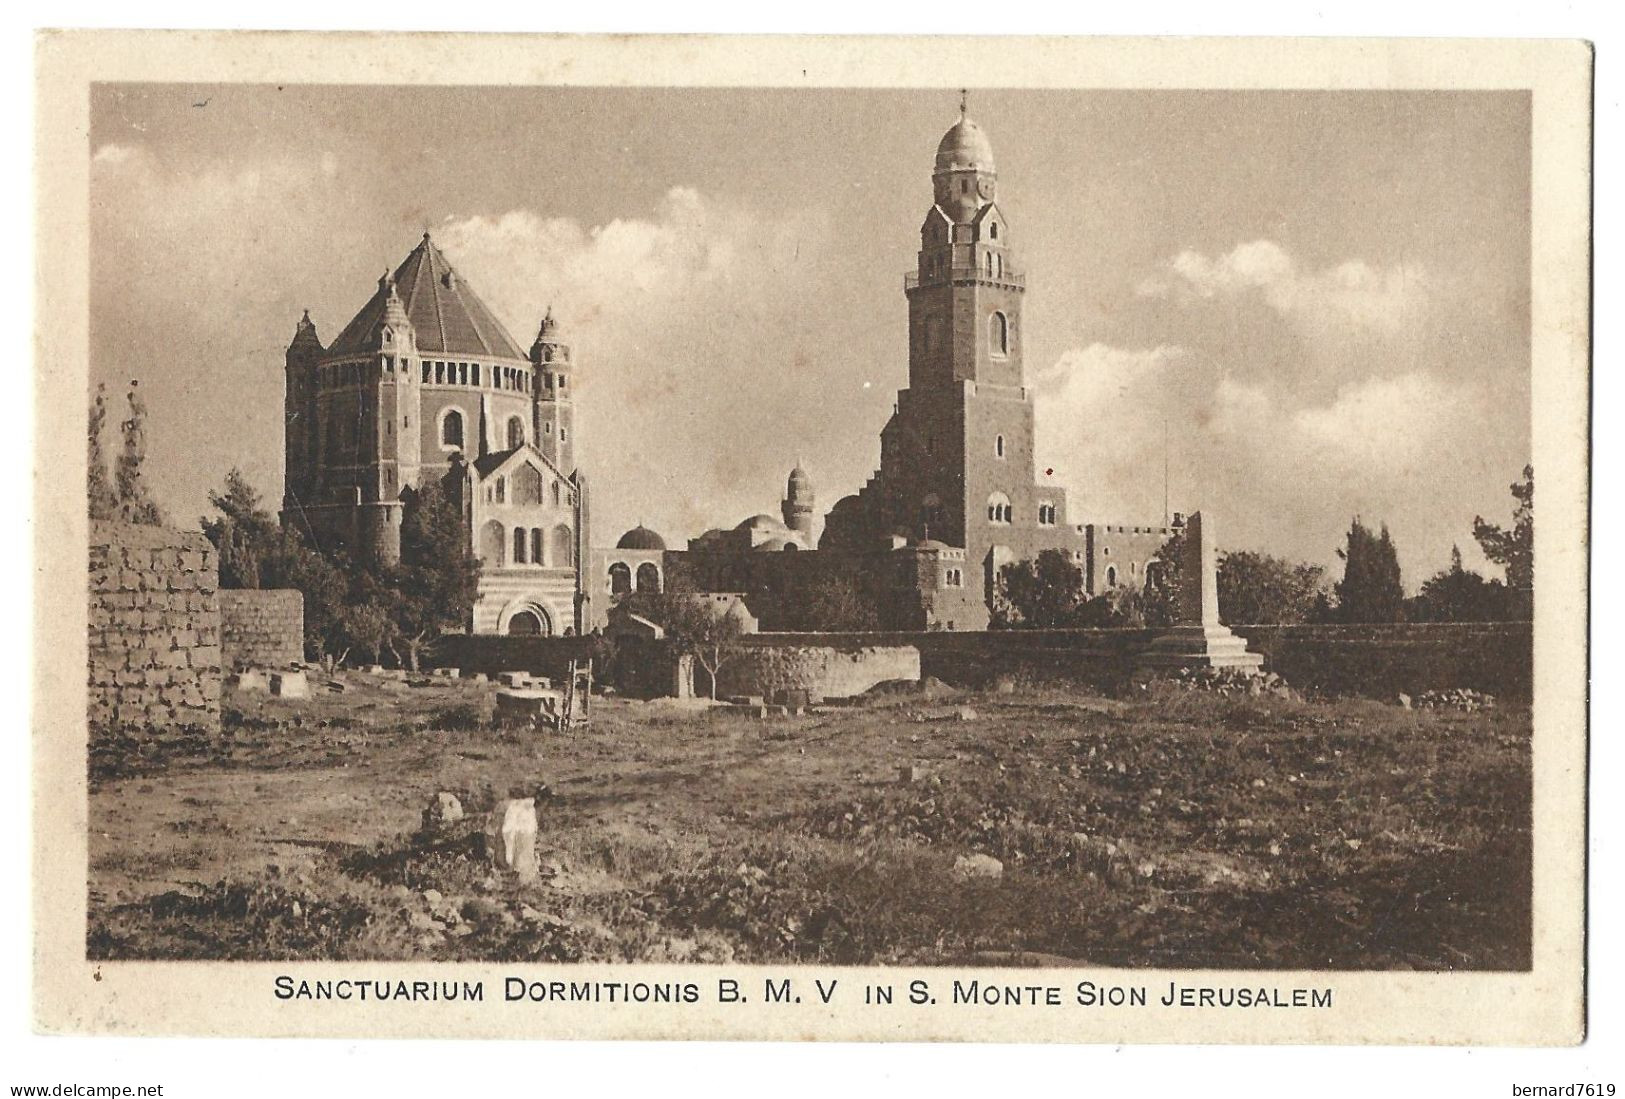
154 628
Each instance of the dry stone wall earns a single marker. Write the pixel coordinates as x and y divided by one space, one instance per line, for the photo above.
823 671
154 629
261 628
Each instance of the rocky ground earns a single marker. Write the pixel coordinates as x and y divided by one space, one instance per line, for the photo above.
1175 827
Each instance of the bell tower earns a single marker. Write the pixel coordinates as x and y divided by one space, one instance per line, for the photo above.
554 394
965 294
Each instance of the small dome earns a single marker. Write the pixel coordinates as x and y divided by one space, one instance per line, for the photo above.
761 522
641 538
964 146
799 478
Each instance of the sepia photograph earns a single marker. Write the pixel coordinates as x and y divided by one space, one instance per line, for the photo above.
972 529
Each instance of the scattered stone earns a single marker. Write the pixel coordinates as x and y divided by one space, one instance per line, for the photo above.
1405 700
964 713
978 866
443 809
475 677
910 773
1004 685
433 896
510 837
290 684
1457 698
446 673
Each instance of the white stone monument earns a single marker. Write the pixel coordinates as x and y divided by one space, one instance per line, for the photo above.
1198 639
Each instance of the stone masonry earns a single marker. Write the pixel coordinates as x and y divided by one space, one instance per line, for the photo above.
154 628
261 628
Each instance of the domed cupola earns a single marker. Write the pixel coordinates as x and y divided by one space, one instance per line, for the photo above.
641 537
964 178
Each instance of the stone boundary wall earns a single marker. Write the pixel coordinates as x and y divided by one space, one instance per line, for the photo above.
154 629
261 628
824 671
1375 660
491 654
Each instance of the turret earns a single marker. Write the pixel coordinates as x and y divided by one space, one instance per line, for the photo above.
554 394
300 456
800 506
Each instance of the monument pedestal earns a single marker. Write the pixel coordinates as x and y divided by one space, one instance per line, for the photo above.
1199 639
1200 647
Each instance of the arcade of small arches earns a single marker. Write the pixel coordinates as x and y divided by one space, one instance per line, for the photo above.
623 580
501 547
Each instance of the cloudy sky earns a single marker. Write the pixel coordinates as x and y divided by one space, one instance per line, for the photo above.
1320 300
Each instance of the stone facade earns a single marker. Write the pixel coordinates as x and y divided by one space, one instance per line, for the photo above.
154 629
261 629
424 384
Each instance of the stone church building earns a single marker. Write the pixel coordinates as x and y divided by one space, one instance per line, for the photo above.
425 383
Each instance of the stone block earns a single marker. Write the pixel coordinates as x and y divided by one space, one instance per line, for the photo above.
290 684
510 837
250 680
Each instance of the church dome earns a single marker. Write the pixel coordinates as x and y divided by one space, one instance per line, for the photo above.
964 146
641 538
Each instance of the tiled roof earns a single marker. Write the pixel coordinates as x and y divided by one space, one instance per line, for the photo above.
447 316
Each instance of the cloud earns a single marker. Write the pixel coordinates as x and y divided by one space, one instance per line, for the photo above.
691 328
1352 292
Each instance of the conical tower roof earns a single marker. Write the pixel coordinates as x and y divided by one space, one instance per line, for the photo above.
448 317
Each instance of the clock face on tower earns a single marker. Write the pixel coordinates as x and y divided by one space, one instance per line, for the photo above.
984 188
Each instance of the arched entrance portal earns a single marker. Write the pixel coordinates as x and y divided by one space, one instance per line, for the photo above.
525 624
528 620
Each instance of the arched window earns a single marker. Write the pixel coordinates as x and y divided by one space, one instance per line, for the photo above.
519 545
1111 576
649 577
993 230
502 490
620 578
536 557
998 334
998 508
516 432
558 494
998 446
528 623
492 542
563 548
451 430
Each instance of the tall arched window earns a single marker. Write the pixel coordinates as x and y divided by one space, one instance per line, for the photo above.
563 548
516 432
1111 576
998 334
451 429
536 557
998 446
620 578
649 577
492 543
519 545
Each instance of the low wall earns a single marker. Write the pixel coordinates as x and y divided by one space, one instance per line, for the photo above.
491 653
1376 660
261 628
154 629
826 671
